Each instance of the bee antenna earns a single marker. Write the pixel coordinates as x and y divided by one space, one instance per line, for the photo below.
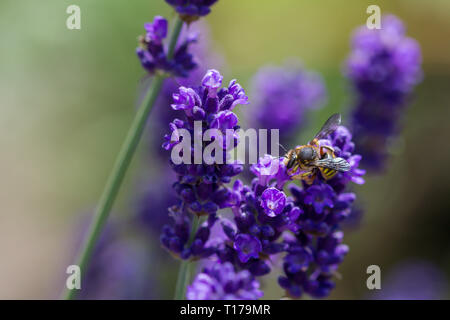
279 144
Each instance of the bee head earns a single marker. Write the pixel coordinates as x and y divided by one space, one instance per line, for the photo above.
306 154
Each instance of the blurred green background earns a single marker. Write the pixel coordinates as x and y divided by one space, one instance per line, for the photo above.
68 96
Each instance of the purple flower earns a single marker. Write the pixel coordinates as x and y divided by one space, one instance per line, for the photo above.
320 197
224 120
186 99
273 201
213 81
156 31
174 138
222 282
153 56
236 95
191 10
247 246
298 259
269 168
383 67
282 96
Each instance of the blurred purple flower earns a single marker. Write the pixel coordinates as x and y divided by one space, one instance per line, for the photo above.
118 268
152 53
414 280
152 202
383 67
156 31
222 282
282 95
191 10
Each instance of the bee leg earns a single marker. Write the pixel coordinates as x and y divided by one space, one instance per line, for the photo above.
297 177
314 143
293 169
329 152
310 178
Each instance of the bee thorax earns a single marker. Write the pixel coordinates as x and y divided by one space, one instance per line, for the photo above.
307 154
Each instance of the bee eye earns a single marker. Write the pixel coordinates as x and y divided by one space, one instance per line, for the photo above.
291 162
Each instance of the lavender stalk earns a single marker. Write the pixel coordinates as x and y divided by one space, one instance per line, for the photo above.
184 274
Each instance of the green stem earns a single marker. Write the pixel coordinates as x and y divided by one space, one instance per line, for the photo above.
174 37
185 271
119 170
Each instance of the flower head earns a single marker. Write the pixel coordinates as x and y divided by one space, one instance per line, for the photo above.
191 10
185 99
156 31
222 282
153 56
270 168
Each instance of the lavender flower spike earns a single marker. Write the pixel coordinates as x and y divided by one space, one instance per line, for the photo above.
222 282
201 188
152 53
316 250
191 10
383 67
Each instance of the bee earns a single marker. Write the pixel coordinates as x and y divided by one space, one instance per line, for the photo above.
308 160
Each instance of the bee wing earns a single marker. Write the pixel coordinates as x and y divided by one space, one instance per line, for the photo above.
338 164
329 126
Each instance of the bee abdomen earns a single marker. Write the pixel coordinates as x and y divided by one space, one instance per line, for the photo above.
328 173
